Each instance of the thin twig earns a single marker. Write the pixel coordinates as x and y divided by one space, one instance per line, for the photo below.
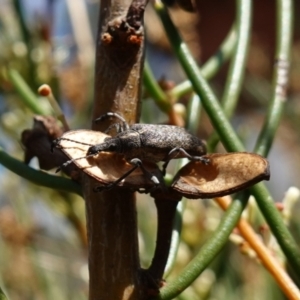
268 260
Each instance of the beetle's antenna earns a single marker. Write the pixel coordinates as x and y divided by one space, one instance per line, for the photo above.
71 161
55 142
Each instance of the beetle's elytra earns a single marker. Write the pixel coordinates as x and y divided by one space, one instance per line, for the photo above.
152 143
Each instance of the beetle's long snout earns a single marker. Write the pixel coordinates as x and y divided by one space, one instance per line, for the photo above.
91 150
112 145
97 148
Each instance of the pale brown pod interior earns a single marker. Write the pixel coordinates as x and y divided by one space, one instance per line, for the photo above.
223 175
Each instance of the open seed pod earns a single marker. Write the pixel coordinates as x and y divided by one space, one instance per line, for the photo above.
223 175
37 141
106 167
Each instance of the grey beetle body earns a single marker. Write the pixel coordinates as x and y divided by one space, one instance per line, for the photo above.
151 143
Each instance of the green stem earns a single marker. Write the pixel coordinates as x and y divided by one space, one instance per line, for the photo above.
2 295
209 100
228 136
159 96
23 27
27 95
207 253
175 239
193 113
280 76
212 66
238 63
26 37
237 66
280 231
38 177
266 137
209 69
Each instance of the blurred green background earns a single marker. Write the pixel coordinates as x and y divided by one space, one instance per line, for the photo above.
42 244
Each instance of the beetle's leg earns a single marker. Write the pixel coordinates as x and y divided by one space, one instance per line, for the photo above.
147 174
190 157
111 185
124 126
147 190
120 127
137 163
110 114
56 141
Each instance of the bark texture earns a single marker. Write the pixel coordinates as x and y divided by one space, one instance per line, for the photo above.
111 216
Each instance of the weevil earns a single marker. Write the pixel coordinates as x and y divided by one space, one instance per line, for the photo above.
140 143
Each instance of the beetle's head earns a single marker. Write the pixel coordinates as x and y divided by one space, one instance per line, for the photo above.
109 145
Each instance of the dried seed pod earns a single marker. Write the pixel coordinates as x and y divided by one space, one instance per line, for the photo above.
224 175
37 142
105 167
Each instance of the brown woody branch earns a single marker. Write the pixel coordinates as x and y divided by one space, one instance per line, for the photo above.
111 216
